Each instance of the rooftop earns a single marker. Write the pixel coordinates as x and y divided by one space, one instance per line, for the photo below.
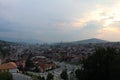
10 65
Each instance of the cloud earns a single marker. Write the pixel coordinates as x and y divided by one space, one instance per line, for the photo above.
55 20
105 16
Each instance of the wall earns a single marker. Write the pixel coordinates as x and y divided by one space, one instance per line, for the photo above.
13 70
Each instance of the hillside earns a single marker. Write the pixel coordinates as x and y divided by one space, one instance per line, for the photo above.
87 41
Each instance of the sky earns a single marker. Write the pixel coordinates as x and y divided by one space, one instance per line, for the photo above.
59 20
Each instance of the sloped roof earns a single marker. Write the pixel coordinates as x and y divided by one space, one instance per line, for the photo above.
10 65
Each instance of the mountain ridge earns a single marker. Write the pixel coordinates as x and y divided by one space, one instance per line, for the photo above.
91 40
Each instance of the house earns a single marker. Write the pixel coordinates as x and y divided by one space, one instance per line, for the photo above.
20 63
8 67
43 64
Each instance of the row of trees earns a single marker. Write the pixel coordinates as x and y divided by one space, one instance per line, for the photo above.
104 64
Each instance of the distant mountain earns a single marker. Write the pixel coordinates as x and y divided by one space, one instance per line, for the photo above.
87 41
93 40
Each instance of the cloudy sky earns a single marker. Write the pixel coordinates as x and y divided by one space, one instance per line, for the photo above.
59 20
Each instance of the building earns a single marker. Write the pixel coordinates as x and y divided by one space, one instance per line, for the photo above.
20 63
43 64
8 67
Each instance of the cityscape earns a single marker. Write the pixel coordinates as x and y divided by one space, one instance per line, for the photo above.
29 61
59 40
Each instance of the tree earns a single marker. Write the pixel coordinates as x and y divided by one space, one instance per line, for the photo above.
78 74
20 68
40 78
50 76
43 78
115 69
64 75
6 76
100 65
5 52
29 63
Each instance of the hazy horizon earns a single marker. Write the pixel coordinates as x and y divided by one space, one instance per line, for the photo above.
59 20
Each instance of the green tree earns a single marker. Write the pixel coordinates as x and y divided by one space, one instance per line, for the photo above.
115 69
5 52
43 78
40 78
50 76
6 76
64 75
29 63
100 65
78 74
